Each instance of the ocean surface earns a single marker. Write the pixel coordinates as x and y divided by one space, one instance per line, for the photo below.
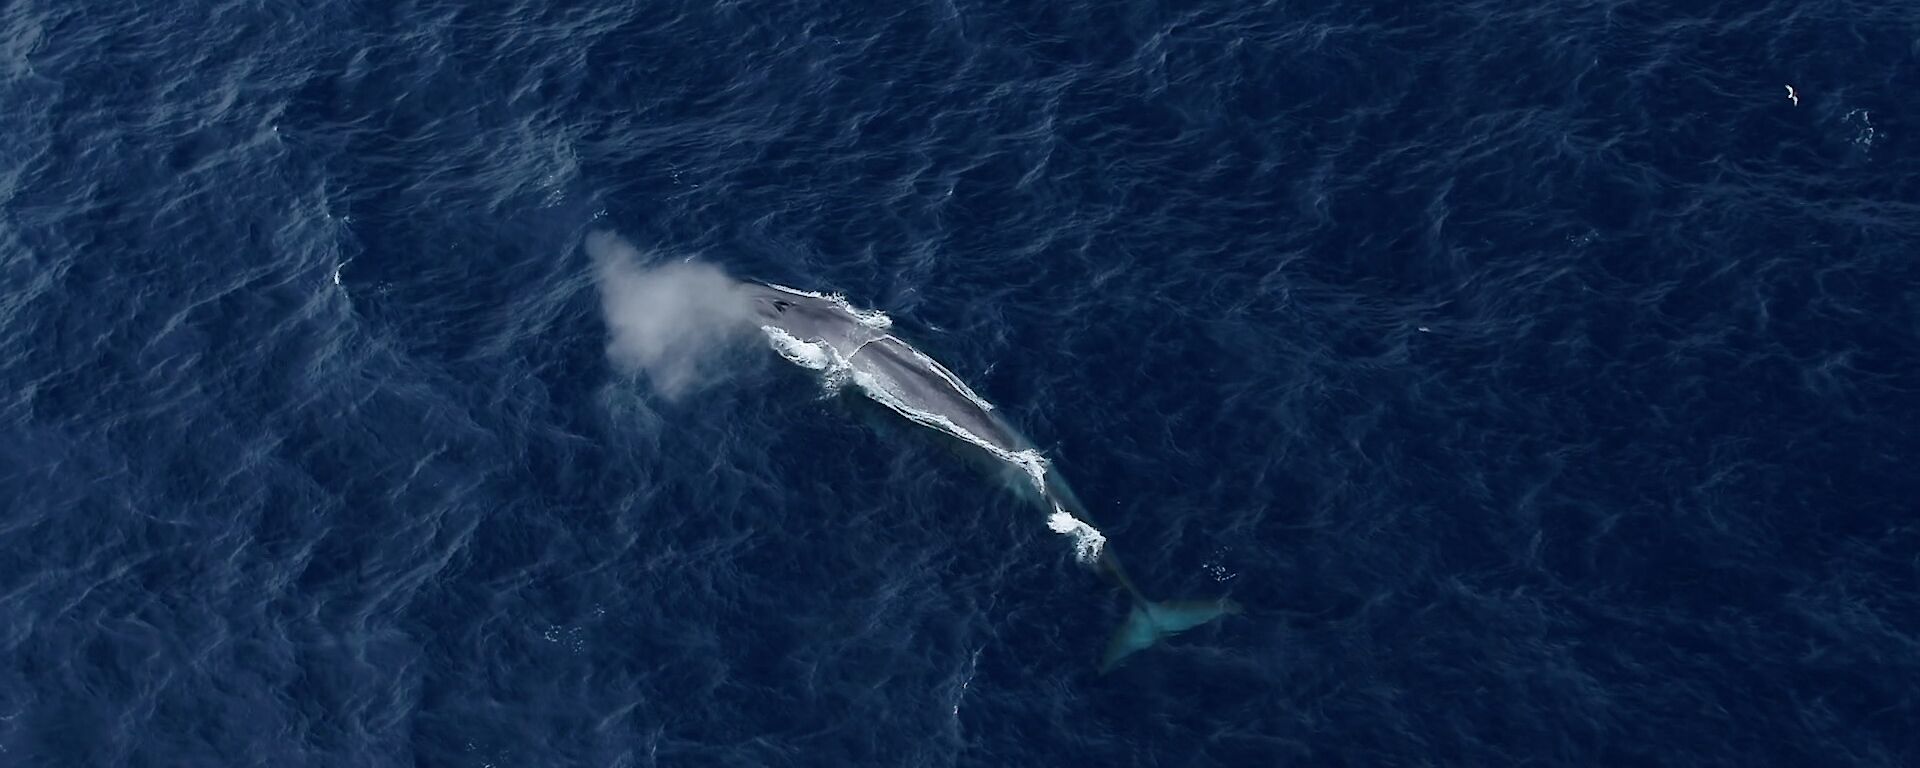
1543 378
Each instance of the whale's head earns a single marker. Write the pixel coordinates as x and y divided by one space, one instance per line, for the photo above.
773 306
810 317
798 315
771 309
803 316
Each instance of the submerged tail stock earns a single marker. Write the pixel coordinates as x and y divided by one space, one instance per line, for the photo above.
1150 622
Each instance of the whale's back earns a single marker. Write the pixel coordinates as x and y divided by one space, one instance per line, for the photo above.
925 391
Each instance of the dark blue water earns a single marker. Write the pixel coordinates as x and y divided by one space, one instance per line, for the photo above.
1541 378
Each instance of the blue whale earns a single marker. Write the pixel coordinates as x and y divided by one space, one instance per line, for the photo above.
826 334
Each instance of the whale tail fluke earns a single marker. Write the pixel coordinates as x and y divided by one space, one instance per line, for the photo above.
1149 623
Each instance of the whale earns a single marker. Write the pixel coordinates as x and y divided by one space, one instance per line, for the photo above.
848 345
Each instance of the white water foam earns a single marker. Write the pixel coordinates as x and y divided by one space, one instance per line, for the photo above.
806 354
1087 540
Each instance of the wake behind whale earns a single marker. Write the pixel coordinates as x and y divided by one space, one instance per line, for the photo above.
845 345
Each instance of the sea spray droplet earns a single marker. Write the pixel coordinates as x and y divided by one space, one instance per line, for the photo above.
1217 566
